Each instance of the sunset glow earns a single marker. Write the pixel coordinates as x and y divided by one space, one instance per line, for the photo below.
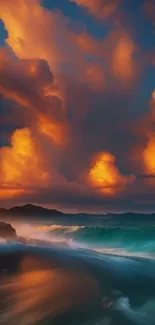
77 103
106 177
21 165
149 156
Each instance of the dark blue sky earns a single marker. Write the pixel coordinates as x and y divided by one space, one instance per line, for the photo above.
3 33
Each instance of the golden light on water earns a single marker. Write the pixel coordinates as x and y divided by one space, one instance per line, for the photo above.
38 292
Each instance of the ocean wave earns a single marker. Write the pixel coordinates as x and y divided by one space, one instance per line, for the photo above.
115 241
133 240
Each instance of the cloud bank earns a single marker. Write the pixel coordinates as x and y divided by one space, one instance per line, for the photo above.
71 134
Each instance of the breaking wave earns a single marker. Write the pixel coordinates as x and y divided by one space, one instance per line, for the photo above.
62 273
110 239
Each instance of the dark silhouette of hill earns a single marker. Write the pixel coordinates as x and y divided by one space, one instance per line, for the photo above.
30 210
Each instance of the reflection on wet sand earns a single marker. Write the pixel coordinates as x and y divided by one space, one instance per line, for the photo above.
37 292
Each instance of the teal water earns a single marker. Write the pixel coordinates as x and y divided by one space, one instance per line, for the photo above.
102 234
134 240
68 269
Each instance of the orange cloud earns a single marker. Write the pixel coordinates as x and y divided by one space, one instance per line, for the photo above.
149 152
105 176
96 76
99 8
31 84
117 50
34 32
24 21
7 193
149 155
123 64
21 165
54 130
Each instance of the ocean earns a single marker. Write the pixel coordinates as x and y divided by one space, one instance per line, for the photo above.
79 269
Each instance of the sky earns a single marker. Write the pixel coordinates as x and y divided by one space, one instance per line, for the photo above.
77 104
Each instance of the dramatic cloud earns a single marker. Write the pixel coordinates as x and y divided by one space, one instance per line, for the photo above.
106 177
149 155
73 127
123 63
119 52
149 152
99 8
31 85
54 44
21 165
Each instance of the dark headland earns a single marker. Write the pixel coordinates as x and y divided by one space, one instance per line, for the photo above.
29 210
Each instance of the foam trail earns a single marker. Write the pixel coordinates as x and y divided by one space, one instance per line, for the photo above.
127 316
98 239
123 253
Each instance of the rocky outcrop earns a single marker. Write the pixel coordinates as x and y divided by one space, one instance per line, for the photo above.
7 231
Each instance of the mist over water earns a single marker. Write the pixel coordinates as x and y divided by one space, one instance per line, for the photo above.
102 234
68 266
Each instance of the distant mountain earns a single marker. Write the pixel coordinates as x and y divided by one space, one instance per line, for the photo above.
30 210
129 215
